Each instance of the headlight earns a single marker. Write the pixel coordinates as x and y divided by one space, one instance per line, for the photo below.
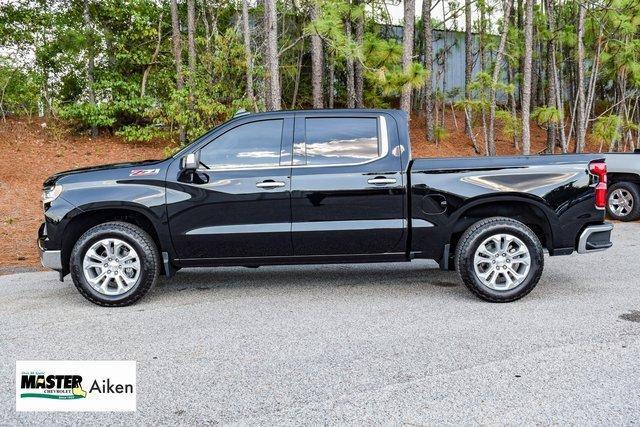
51 193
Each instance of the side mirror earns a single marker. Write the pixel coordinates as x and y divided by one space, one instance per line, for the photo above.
190 162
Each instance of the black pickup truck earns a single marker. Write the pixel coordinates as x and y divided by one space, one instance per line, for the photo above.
320 186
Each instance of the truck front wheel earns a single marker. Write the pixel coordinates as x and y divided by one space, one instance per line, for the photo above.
114 264
499 259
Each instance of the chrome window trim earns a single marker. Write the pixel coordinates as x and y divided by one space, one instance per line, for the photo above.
383 137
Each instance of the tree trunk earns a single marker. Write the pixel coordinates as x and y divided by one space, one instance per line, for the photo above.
482 54
594 74
534 66
620 100
316 61
154 59
176 43
427 38
358 68
296 85
521 60
481 50
273 96
526 78
191 42
332 88
542 95
177 55
513 103
207 39
407 53
351 90
552 130
581 113
444 62
559 104
491 144
90 61
468 63
247 51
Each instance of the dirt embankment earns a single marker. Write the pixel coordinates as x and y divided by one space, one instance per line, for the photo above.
29 153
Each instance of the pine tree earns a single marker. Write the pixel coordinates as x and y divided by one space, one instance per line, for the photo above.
468 62
526 77
273 96
90 61
407 53
427 35
177 56
317 61
491 145
246 37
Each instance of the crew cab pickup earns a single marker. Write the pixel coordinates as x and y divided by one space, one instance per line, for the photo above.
320 186
623 180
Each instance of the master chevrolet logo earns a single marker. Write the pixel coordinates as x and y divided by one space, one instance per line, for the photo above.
52 386
65 385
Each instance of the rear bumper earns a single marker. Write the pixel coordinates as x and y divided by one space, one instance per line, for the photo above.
48 258
595 238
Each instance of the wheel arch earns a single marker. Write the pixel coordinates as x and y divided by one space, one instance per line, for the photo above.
533 214
619 177
87 219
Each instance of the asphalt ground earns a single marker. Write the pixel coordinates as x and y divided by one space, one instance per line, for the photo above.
348 344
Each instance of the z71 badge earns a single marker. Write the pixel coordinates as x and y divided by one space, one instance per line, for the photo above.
144 172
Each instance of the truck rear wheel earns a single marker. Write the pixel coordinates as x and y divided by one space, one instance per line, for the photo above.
623 201
114 264
499 259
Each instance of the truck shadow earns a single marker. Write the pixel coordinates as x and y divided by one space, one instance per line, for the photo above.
414 276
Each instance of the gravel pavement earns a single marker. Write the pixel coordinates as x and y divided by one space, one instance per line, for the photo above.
354 344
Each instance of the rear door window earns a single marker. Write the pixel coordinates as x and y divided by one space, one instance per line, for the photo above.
339 141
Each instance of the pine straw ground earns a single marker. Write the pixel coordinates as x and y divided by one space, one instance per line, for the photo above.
31 151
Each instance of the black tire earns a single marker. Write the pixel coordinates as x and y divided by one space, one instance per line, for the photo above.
631 190
143 244
471 240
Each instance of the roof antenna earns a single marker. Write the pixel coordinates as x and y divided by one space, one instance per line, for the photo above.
241 112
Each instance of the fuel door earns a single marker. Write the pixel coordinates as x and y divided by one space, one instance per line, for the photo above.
434 204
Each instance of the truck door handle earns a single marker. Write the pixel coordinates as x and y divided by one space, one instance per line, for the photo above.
269 184
381 180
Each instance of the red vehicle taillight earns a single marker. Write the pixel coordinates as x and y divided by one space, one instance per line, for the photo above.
599 169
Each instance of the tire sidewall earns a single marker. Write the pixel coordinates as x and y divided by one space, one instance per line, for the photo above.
77 257
535 254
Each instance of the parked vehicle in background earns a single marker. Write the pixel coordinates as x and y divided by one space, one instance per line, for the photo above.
320 186
623 181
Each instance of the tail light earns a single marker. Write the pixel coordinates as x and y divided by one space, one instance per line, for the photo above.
599 169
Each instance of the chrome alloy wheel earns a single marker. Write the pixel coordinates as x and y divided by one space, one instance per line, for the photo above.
502 262
620 202
111 266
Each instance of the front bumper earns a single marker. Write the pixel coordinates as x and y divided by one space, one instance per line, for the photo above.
595 238
48 258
